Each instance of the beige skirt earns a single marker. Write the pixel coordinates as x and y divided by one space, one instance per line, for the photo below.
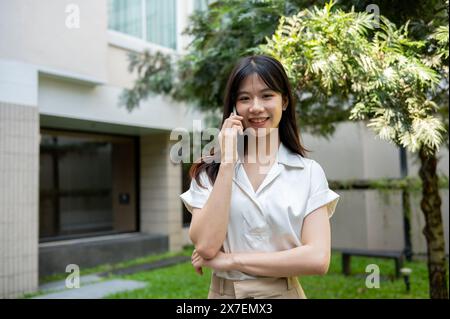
263 288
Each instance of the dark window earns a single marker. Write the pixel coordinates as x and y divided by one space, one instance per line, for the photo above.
87 184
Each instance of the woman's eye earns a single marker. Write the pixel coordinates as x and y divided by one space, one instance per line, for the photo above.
267 96
243 98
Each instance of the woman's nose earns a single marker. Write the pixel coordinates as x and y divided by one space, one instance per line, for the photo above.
257 105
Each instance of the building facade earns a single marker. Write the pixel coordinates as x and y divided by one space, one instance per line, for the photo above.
83 180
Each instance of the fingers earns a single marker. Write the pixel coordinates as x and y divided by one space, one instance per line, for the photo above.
231 127
233 124
196 262
234 115
232 118
196 259
194 256
230 122
239 128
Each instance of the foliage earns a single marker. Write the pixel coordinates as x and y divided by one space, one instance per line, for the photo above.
221 34
437 58
333 53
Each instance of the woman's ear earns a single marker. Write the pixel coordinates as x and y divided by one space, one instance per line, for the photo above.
285 103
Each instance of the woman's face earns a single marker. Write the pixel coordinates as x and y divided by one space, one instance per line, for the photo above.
260 106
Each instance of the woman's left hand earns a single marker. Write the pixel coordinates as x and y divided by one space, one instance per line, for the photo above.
221 262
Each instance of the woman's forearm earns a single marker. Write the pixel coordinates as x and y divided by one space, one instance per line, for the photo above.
209 226
303 260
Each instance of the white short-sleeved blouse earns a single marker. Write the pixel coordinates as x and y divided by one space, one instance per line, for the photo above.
271 218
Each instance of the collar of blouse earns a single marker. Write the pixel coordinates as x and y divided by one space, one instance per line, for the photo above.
284 156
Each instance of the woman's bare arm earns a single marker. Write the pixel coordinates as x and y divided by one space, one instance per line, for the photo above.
312 258
209 224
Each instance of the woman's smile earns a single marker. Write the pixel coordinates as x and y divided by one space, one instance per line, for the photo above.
258 121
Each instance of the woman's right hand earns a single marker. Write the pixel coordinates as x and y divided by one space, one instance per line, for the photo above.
228 138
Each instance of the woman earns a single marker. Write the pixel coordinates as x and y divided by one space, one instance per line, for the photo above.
260 214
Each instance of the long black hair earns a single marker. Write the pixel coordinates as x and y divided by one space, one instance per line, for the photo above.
271 71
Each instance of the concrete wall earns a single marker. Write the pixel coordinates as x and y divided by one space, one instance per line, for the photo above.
65 99
374 220
35 32
160 187
349 222
354 152
371 219
118 75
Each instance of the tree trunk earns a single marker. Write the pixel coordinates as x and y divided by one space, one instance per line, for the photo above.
406 205
433 230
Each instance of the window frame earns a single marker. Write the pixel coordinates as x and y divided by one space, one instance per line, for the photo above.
140 44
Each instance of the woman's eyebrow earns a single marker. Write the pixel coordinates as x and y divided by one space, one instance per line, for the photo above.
263 90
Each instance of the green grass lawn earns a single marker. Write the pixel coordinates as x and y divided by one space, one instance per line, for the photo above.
181 281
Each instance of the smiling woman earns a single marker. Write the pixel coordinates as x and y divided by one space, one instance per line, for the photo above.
252 226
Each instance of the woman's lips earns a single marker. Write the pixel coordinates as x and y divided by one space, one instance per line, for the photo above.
258 122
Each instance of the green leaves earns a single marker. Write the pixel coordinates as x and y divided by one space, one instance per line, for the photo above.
341 54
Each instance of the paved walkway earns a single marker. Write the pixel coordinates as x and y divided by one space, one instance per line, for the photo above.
96 290
61 285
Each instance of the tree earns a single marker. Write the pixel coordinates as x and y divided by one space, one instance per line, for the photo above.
389 85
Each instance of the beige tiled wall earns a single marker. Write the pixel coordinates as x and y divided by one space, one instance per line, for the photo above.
19 172
160 188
